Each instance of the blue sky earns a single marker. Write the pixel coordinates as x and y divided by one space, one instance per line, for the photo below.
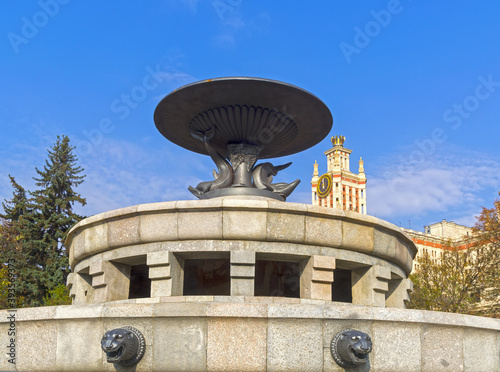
413 85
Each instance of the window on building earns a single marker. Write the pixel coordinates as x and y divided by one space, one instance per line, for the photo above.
277 278
207 277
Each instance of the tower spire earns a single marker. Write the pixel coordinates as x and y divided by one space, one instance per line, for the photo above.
339 187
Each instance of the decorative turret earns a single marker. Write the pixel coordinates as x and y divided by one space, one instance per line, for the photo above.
338 140
315 177
315 173
361 166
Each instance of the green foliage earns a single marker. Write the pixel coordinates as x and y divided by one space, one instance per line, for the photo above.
18 206
443 285
57 296
5 284
40 224
9 249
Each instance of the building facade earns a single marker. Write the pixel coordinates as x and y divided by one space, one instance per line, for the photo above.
438 237
339 187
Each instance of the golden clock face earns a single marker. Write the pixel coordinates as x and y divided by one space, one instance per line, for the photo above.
324 185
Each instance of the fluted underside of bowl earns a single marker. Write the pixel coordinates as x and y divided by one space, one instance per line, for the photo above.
279 117
242 124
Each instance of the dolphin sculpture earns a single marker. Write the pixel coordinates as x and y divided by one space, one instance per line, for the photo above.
224 177
263 176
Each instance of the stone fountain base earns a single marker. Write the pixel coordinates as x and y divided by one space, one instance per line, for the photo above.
242 247
237 333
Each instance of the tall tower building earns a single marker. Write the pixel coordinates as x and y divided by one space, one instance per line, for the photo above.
338 187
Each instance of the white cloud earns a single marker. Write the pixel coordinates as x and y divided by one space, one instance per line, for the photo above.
121 173
467 220
235 23
424 190
174 76
452 183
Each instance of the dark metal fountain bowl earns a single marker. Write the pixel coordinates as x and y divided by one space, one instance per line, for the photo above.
280 118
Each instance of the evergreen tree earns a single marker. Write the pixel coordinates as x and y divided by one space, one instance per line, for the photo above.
54 201
41 223
10 251
18 206
19 236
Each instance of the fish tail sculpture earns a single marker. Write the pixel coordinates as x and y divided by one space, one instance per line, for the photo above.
224 177
263 176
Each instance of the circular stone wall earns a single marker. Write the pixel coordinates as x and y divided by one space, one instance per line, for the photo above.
161 236
228 219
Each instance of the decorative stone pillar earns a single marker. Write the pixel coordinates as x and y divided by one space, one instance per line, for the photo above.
80 289
72 286
110 280
317 278
370 285
399 293
162 267
242 273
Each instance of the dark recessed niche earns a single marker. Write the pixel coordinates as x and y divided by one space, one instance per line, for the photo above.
207 277
277 279
342 286
140 284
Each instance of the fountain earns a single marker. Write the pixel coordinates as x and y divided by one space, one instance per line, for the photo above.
240 279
